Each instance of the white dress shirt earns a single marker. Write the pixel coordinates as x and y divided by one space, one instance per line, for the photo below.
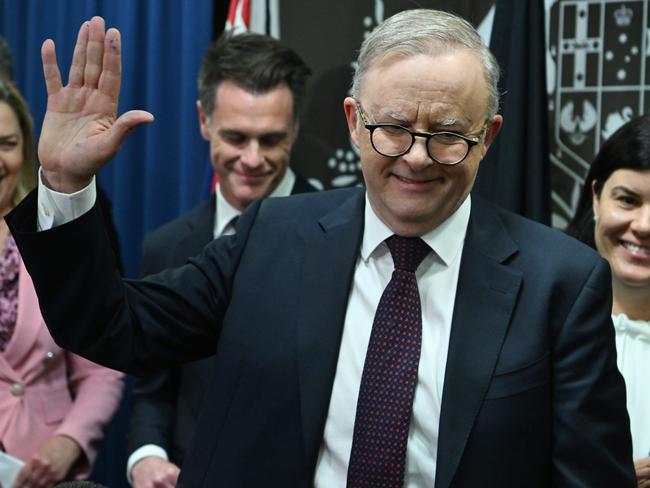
225 213
56 208
437 278
633 358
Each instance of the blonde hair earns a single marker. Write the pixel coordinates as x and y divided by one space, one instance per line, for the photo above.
27 180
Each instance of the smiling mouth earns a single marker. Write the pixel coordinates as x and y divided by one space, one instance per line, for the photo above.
633 248
414 182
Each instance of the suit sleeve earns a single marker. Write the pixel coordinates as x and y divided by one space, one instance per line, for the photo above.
592 444
154 395
132 326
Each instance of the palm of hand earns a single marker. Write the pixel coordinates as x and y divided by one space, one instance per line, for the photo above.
81 130
74 131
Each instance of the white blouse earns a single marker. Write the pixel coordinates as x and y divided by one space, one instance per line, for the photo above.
633 350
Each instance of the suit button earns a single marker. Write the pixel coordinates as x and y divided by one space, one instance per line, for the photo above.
17 389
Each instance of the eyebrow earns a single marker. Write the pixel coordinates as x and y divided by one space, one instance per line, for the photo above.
226 130
625 189
394 116
236 132
440 123
449 122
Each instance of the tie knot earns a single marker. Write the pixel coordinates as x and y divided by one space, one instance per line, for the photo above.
407 252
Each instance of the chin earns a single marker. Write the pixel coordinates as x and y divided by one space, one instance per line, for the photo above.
635 280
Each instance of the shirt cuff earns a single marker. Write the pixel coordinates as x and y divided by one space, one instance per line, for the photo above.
141 453
56 208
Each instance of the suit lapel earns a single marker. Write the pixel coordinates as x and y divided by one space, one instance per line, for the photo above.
330 257
200 232
486 295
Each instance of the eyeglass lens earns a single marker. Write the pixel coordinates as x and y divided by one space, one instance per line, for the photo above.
446 148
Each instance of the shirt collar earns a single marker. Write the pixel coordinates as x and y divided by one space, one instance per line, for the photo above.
224 212
286 184
446 240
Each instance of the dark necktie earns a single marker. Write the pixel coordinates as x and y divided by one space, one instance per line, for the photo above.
390 371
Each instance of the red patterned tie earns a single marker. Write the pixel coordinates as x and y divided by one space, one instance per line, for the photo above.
390 373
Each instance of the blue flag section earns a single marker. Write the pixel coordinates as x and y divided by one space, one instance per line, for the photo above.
158 173
515 173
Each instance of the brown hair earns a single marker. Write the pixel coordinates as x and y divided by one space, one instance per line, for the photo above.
27 180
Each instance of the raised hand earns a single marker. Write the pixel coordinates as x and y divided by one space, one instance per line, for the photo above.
81 130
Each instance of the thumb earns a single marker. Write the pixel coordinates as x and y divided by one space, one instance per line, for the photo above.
125 123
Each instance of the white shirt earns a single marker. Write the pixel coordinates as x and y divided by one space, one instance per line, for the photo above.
56 208
224 212
633 358
437 279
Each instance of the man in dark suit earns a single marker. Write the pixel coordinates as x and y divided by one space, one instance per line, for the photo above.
487 360
251 92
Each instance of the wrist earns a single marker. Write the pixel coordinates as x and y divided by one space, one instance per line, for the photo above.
64 183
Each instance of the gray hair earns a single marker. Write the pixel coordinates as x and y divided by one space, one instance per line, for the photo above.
418 31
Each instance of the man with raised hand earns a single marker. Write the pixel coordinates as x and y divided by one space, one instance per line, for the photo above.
405 334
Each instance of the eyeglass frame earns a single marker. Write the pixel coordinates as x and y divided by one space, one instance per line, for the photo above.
470 140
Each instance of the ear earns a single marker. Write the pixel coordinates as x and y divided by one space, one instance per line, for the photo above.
203 121
350 109
595 200
493 129
294 131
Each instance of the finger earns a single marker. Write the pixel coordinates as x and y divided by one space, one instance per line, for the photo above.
119 131
94 52
76 74
22 475
110 79
50 68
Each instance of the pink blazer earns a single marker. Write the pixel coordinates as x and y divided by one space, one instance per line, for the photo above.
46 391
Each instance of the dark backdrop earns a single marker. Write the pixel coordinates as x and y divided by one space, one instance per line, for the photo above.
161 171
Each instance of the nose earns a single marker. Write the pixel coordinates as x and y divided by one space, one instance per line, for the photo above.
418 157
641 224
252 156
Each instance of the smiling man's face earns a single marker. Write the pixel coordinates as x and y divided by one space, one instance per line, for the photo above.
413 194
250 136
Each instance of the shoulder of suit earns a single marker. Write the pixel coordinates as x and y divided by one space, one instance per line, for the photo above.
302 185
176 228
304 207
551 246
325 198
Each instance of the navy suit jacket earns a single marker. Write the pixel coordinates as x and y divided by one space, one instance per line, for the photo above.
532 396
165 403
